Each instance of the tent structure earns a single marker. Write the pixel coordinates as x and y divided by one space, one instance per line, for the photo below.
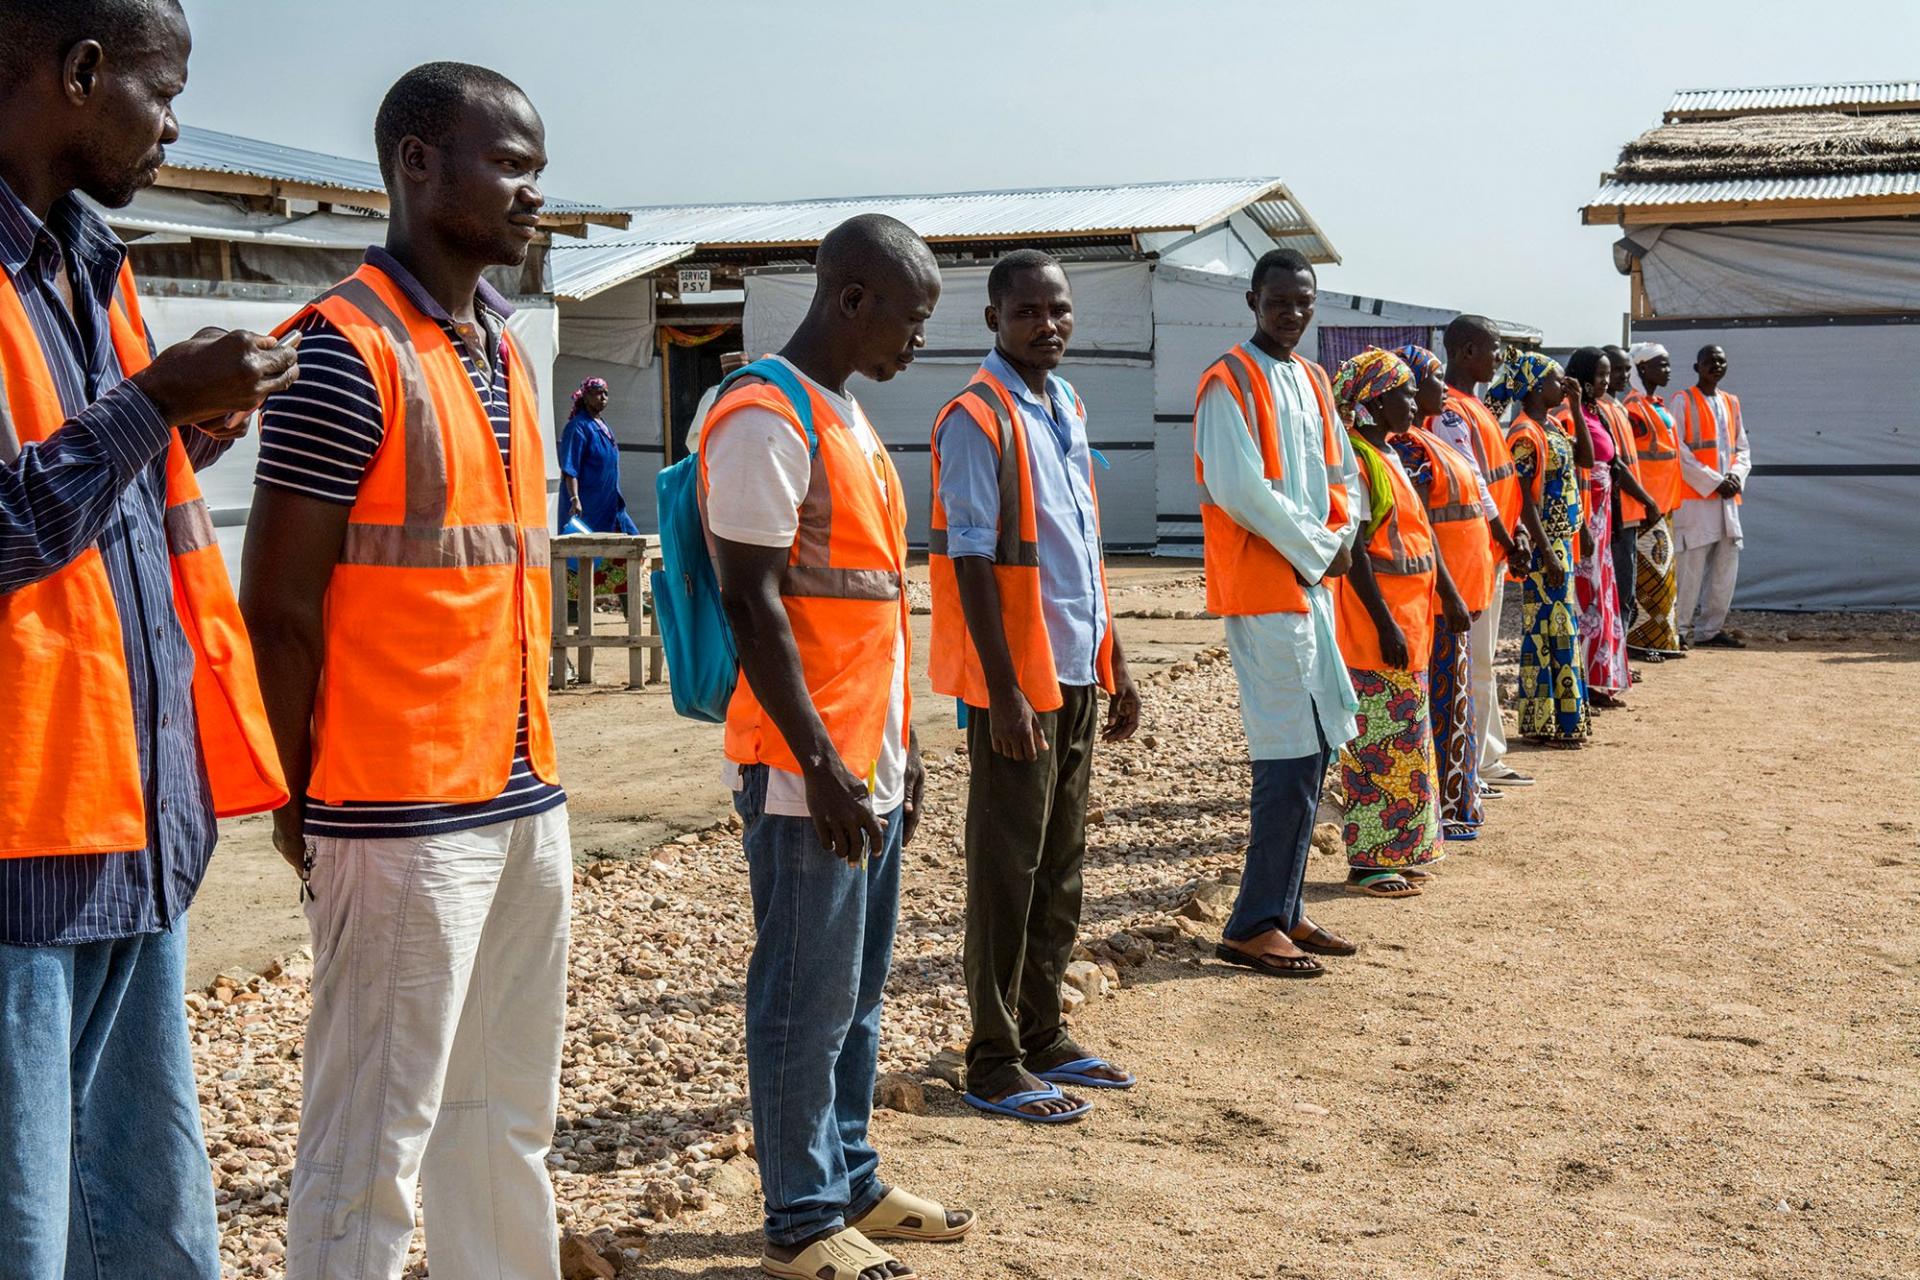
1159 272
1783 224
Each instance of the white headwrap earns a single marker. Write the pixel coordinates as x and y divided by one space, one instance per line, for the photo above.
1638 355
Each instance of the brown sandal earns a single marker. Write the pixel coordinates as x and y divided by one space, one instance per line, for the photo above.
1321 943
1273 966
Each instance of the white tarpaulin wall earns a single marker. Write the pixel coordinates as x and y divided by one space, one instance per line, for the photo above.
1801 269
1832 409
228 484
1112 311
1113 323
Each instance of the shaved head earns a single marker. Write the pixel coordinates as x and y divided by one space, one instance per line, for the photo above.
1463 329
873 249
876 284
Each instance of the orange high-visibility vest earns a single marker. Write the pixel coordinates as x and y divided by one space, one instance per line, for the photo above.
843 590
1400 553
1495 459
71 783
1700 432
1658 449
439 612
1245 574
1525 428
953 665
1459 522
1620 431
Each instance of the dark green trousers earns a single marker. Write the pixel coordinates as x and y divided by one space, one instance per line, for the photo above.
1026 840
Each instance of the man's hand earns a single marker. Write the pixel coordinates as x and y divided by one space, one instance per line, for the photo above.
1342 562
1123 708
916 788
1453 609
216 373
1727 488
1393 646
842 811
1014 727
290 836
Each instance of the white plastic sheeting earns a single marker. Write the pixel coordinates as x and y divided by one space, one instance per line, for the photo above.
1112 304
1812 268
228 484
1832 511
615 326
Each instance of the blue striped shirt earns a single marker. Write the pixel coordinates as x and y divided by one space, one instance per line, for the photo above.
100 481
317 439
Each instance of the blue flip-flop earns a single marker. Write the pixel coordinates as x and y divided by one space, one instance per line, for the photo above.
1074 1073
1010 1105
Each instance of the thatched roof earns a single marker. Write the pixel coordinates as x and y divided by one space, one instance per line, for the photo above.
1782 145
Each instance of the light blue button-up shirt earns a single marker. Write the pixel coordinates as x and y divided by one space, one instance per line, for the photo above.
1294 686
1071 602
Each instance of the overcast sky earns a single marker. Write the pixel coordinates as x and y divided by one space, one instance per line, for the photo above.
1445 149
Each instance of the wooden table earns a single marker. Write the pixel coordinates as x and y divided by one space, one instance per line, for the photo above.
646 659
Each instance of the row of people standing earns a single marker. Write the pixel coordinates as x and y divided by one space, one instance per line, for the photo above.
1387 551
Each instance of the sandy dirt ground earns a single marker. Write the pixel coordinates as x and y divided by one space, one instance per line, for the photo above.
1660 1021
636 774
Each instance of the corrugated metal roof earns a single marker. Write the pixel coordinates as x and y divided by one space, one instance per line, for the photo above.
997 215
1838 187
1880 95
583 268
210 151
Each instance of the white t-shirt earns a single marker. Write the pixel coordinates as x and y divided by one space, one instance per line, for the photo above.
758 470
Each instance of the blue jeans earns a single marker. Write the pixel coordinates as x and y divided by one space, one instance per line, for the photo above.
1286 796
103 1170
819 968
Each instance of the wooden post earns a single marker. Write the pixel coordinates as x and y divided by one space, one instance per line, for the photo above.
636 617
584 664
657 661
557 663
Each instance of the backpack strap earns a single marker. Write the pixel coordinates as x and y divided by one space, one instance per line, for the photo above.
776 373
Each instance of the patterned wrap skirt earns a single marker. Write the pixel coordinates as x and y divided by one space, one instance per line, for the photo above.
1654 589
1387 771
1456 750
1553 683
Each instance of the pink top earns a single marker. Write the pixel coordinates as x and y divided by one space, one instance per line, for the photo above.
1603 449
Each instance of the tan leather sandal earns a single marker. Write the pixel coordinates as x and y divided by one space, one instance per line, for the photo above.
841 1256
901 1215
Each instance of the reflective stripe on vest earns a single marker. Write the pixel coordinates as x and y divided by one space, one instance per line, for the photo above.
1401 554
1009 547
439 621
73 783
1700 433
953 666
842 588
1244 573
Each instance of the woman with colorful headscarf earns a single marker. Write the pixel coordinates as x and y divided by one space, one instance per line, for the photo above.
1452 487
590 467
1653 631
1384 611
1603 631
1553 686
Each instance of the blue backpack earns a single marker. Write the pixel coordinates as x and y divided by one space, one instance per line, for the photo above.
702 664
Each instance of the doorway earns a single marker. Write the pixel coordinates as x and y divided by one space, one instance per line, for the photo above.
691 370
